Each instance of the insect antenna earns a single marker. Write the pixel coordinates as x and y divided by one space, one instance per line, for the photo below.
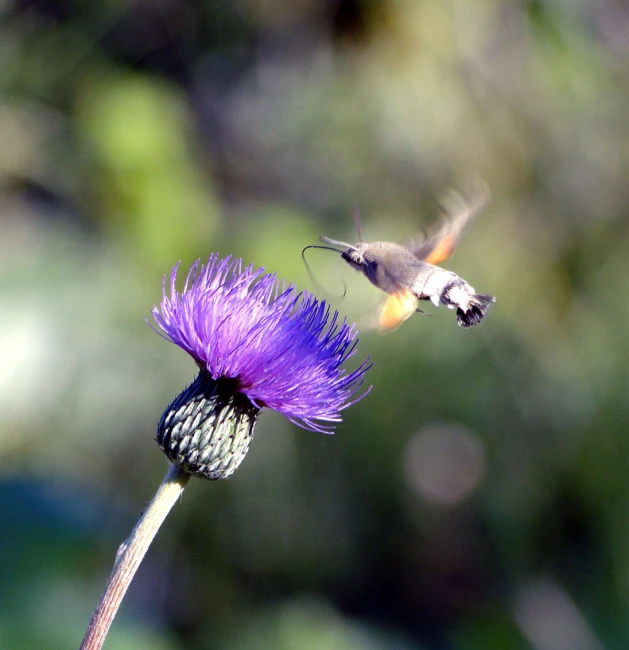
335 242
356 218
312 276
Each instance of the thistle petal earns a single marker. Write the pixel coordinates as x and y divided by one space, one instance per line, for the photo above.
282 349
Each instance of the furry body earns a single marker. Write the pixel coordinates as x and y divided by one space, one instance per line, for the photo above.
397 271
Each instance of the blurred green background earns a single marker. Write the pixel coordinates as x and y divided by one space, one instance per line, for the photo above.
478 498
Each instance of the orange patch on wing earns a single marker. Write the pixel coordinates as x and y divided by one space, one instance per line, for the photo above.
396 309
442 251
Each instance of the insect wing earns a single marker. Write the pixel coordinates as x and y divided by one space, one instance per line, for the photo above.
396 309
442 251
457 211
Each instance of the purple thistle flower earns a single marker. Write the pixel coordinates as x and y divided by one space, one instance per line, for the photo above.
262 343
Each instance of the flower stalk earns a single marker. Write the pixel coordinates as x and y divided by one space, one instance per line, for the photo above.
130 555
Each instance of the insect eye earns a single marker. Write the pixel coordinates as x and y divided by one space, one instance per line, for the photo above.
353 257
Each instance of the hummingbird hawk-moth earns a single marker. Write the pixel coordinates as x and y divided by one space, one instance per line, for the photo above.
409 273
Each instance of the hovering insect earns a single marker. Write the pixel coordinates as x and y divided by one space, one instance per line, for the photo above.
408 273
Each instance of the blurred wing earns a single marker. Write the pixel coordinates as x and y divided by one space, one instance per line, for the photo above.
443 248
457 211
396 309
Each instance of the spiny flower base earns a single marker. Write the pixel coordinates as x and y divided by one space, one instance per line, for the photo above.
207 430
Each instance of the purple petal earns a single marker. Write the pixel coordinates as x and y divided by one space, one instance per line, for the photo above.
286 349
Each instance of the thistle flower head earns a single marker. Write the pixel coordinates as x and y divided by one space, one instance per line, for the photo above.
259 342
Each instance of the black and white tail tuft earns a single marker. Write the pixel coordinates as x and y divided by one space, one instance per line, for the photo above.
475 310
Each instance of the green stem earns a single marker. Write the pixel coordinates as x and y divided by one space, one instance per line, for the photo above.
130 554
